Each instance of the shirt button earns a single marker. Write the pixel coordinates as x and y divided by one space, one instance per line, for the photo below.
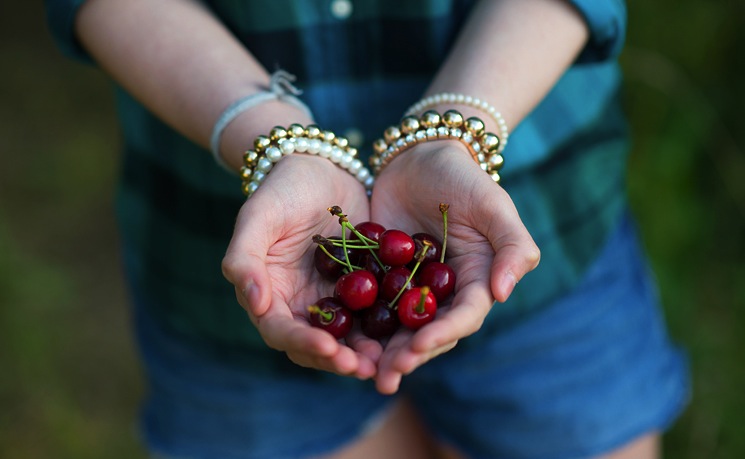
341 9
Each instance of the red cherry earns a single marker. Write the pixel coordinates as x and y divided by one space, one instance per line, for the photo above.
379 320
396 248
440 278
327 267
393 281
329 314
357 290
370 230
432 254
369 263
417 307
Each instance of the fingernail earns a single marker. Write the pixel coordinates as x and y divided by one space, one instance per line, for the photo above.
508 284
251 293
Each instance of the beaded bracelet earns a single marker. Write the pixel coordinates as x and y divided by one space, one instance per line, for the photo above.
483 146
462 99
281 142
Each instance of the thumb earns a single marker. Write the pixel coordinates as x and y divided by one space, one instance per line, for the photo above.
244 264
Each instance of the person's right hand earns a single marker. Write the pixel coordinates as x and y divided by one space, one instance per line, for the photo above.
270 261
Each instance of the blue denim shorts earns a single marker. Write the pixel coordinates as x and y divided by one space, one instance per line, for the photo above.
582 376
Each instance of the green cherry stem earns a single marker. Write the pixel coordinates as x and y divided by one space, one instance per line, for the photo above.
423 292
326 316
419 258
444 211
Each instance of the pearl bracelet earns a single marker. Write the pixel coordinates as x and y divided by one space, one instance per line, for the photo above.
462 99
281 142
483 146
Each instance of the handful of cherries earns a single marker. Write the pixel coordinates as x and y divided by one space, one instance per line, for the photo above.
384 278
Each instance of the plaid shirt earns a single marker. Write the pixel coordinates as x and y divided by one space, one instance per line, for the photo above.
565 163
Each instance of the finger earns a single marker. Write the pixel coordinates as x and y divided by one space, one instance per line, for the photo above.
370 348
465 317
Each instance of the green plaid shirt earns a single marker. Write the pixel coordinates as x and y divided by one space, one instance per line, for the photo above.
360 68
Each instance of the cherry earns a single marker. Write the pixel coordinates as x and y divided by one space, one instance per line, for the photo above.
330 314
393 281
432 254
369 263
370 230
417 307
326 266
379 320
357 290
396 248
440 278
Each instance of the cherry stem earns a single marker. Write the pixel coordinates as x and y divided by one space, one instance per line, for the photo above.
424 291
326 316
372 245
444 210
419 258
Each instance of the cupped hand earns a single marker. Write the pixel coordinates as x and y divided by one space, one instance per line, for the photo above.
488 246
270 261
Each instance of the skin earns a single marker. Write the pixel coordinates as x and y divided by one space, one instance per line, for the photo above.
186 67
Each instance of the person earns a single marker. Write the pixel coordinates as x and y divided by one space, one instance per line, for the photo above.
573 361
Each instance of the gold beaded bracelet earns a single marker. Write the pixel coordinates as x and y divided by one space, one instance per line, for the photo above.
412 130
280 142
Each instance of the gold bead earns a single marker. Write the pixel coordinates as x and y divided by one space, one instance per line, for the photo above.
490 142
430 119
474 126
296 130
351 151
409 124
328 136
277 133
379 146
246 173
392 134
312 131
244 187
452 119
495 176
496 161
261 143
250 158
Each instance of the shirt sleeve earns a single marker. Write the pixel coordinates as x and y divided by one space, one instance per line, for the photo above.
61 23
606 20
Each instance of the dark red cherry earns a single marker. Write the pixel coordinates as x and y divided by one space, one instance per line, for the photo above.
330 314
327 267
396 248
439 277
368 263
432 254
379 320
393 281
357 290
370 230
417 307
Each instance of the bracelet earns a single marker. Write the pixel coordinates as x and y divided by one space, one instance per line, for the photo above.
483 146
281 142
280 88
462 99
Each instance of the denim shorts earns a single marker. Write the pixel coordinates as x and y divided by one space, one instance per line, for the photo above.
582 376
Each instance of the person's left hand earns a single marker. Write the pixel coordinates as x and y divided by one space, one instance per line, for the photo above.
488 247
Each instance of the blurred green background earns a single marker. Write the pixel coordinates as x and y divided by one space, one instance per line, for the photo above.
69 378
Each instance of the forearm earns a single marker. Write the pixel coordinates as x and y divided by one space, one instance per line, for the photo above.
510 54
184 65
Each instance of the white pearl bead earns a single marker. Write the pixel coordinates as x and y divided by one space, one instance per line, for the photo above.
301 144
355 166
362 174
369 182
258 177
252 187
325 150
273 154
336 154
287 146
264 165
314 146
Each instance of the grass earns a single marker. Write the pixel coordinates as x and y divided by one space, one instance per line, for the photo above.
70 380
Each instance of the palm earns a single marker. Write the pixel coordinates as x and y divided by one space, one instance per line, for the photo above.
481 223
